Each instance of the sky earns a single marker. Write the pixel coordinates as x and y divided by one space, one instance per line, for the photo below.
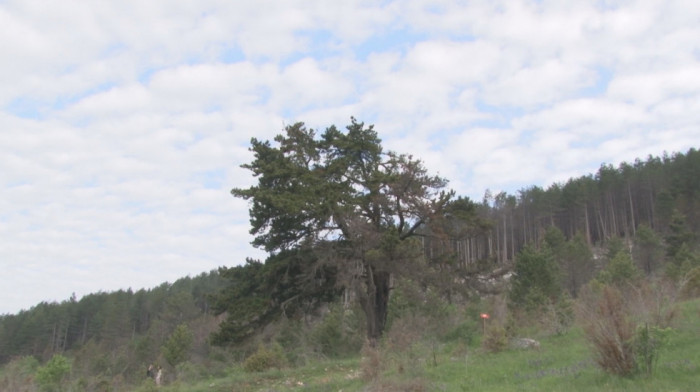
123 124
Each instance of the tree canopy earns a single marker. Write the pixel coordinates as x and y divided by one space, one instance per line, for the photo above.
342 195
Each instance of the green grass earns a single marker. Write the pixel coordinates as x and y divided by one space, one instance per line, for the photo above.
566 363
563 363
320 376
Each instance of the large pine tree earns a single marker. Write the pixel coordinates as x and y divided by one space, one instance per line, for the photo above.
343 196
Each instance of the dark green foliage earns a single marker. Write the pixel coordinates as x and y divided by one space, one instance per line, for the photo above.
691 283
648 249
535 279
50 377
112 319
614 246
577 264
111 337
340 195
289 283
682 263
339 334
495 339
176 348
648 342
265 358
14 375
464 332
619 271
573 258
679 234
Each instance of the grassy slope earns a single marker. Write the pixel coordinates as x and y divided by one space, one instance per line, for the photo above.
564 363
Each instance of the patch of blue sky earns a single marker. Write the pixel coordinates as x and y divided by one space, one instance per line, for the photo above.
32 108
446 136
212 179
114 48
320 44
397 40
213 108
604 76
64 101
145 77
231 55
263 94
498 116
28 108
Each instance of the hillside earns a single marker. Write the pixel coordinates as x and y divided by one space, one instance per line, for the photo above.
640 217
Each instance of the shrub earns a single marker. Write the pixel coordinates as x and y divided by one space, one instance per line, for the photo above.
50 377
17 375
176 348
495 339
648 343
619 271
265 359
407 343
535 279
609 329
340 332
371 364
463 332
691 283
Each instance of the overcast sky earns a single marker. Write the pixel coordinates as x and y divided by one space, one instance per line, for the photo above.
123 123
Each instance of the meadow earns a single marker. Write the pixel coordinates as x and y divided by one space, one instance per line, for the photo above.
563 362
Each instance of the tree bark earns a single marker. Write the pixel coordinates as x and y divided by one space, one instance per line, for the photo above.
376 304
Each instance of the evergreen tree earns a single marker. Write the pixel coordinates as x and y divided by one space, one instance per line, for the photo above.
343 196
648 249
535 279
578 264
679 234
177 347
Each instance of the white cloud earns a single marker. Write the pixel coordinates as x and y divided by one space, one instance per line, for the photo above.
124 123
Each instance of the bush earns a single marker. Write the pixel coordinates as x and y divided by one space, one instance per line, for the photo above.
495 339
463 332
691 284
265 359
176 348
340 333
50 377
610 331
619 271
371 364
17 375
408 344
648 343
535 280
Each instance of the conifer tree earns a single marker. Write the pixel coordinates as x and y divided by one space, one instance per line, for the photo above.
341 194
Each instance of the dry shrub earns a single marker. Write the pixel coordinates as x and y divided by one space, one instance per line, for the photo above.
495 339
611 317
405 332
654 303
607 325
18 374
265 359
406 345
371 364
691 283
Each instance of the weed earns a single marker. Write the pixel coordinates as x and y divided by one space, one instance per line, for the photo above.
265 359
495 339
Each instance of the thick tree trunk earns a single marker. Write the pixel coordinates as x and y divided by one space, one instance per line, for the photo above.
375 303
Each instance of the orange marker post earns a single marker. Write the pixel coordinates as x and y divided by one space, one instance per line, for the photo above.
484 316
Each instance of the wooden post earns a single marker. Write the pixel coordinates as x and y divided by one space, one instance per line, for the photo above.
484 316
